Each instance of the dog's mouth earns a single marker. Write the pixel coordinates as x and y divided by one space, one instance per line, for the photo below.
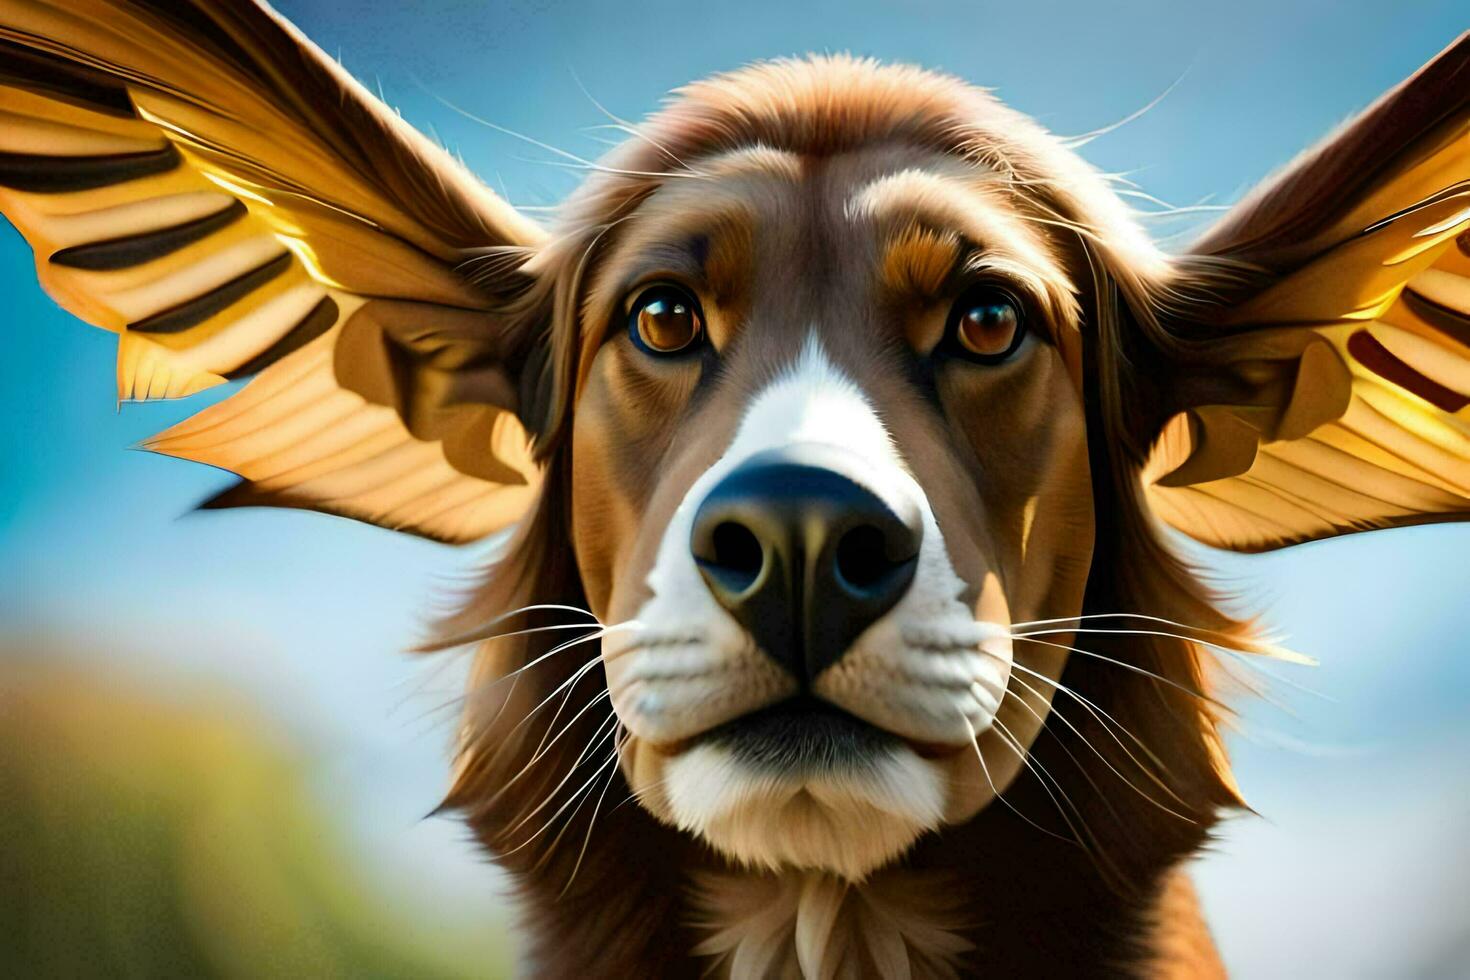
804 734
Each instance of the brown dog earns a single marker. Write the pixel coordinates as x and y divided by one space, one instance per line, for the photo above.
849 404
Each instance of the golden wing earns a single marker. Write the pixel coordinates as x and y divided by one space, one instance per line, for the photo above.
1336 397
201 180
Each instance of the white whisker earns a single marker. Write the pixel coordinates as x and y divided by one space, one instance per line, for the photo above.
1214 702
565 689
514 675
576 795
1099 713
975 741
1097 790
1054 710
483 632
597 735
1082 139
1037 770
631 129
1279 652
612 772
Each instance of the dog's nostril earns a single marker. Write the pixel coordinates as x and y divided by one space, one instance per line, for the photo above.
737 555
802 555
861 561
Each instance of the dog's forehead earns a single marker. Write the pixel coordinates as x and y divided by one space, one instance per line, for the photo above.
901 213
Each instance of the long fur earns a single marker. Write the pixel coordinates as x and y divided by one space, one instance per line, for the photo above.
1073 871
619 903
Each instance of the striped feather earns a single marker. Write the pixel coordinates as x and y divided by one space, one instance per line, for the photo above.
1386 441
202 181
1398 453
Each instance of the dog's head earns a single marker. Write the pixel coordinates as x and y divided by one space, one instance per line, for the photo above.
828 447
838 395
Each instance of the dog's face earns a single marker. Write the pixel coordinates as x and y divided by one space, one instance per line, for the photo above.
829 446
824 384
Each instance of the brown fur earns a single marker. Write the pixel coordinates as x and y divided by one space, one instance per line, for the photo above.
831 196
1043 907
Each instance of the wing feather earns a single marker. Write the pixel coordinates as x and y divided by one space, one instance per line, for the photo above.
1371 293
201 180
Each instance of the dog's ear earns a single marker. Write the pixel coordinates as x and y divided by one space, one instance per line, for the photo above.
1313 376
202 180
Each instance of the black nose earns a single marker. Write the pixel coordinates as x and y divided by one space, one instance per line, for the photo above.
803 556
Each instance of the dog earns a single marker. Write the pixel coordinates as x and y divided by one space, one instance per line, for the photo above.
834 430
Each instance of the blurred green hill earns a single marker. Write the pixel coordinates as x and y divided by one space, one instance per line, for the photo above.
144 838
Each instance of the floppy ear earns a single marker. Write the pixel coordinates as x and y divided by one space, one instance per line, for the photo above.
200 179
1327 391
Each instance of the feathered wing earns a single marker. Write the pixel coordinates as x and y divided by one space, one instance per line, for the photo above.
1336 396
200 179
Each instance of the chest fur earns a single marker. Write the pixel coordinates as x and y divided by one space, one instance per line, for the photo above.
813 925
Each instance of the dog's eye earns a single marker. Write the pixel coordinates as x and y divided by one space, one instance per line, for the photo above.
665 320
986 325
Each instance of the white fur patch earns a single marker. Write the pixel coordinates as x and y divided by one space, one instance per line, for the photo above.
848 821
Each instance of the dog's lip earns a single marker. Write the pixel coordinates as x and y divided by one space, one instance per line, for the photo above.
805 705
934 750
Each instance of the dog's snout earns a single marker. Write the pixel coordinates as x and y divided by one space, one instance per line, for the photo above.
803 555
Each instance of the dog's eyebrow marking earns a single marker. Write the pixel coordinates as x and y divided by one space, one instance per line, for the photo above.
706 239
703 230
919 259
965 206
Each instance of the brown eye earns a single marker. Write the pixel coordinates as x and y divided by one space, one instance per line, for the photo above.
986 325
665 320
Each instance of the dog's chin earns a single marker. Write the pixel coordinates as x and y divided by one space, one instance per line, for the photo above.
802 787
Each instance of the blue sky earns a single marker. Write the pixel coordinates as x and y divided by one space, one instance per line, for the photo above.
1356 866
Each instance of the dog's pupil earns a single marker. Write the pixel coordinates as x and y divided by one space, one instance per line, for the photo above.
989 327
666 324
